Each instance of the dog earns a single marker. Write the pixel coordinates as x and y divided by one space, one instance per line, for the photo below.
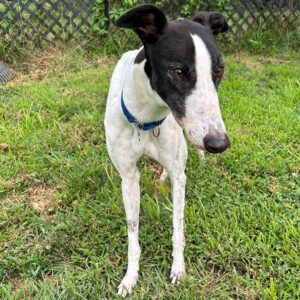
158 92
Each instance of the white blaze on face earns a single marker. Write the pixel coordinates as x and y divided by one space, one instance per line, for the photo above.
202 110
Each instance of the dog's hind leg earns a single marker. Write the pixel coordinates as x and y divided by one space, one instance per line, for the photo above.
131 198
163 175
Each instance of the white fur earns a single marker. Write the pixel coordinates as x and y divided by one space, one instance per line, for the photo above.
126 144
203 113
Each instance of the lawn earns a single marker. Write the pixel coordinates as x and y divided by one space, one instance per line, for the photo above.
63 231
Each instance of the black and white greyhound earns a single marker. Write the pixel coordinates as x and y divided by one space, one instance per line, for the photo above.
168 85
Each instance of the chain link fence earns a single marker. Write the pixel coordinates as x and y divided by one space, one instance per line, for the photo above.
47 19
52 19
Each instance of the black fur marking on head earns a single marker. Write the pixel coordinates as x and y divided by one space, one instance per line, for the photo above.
147 20
169 46
213 20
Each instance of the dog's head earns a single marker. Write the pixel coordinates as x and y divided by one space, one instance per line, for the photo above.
185 67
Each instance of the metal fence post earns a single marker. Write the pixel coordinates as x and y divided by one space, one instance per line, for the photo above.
106 12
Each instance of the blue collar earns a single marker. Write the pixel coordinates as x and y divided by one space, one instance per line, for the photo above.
132 119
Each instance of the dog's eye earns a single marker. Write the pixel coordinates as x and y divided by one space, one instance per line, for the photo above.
178 73
219 71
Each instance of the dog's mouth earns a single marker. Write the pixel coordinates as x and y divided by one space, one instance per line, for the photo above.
212 141
202 148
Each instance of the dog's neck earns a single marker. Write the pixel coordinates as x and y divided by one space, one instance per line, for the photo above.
139 97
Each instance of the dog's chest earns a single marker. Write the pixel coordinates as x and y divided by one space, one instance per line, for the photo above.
140 141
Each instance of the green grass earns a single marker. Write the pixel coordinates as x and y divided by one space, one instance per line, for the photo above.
62 225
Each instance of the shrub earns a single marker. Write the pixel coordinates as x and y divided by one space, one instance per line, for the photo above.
173 10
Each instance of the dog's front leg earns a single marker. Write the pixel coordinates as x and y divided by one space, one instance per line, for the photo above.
178 195
131 198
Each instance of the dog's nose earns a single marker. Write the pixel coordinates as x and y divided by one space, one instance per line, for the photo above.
216 143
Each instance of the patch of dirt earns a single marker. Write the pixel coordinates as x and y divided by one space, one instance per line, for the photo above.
15 198
53 59
239 266
39 246
42 63
78 134
274 59
4 146
17 283
213 268
251 62
255 62
105 61
247 293
41 197
51 218
157 169
13 181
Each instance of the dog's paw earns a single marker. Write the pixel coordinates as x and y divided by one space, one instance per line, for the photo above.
126 286
178 270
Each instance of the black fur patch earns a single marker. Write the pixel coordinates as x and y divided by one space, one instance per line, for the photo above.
175 48
140 57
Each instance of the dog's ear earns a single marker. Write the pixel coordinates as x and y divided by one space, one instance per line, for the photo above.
147 20
212 19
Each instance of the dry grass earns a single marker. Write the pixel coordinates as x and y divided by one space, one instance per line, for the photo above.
41 64
13 181
40 197
258 61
